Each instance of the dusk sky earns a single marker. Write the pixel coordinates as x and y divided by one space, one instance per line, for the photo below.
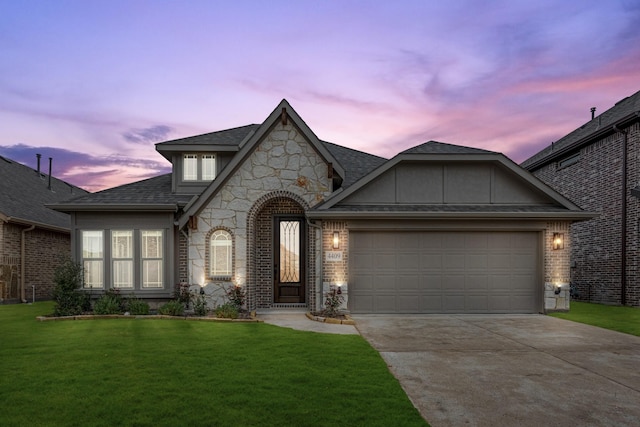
95 84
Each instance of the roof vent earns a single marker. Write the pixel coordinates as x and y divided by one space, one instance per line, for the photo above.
593 112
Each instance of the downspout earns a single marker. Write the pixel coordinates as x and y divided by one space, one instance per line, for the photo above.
623 214
319 271
23 261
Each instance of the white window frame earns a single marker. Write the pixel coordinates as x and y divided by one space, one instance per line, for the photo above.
190 167
208 162
198 167
122 258
221 239
148 259
92 252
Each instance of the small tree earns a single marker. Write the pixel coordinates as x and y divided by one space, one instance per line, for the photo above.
69 301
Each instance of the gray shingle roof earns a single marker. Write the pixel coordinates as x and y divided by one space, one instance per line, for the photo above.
24 194
152 191
435 147
625 108
355 163
231 137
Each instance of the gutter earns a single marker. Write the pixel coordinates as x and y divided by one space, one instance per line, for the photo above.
599 134
576 216
23 261
623 214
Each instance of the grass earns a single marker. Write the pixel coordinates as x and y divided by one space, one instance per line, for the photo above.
617 318
134 372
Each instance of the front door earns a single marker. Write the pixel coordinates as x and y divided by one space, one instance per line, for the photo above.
289 260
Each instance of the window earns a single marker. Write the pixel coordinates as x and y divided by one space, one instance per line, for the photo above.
190 167
93 259
198 167
568 161
122 258
151 254
208 167
220 254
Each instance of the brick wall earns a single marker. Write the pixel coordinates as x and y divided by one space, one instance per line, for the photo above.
43 252
595 184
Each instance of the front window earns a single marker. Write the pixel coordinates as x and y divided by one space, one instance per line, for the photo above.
208 167
220 254
197 167
93 258
152 264
190 167
122 256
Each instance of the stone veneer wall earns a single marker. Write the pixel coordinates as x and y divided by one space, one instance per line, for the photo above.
557 271
283 164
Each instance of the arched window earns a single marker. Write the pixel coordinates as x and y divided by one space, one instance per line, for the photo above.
220 252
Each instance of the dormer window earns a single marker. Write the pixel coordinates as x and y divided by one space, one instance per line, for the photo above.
198 167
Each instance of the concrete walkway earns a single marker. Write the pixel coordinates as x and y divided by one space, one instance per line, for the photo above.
527 370
299 320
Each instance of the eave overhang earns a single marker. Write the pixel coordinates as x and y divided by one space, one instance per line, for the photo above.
122 207
346 215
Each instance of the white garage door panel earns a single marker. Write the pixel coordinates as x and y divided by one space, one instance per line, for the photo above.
443 272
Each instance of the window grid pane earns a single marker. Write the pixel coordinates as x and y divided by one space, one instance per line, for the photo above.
221 254
190 167
123 274
152 262
208 167
92 258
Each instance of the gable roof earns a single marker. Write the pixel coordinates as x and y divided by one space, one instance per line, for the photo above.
622 114
24 193
223 140
153 194
282 111
356 163
433 151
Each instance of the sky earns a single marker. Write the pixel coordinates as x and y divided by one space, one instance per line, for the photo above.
95 84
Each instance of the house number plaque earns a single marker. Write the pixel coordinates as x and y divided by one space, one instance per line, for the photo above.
333 256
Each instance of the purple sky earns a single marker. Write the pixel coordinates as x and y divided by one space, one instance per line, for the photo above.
94 84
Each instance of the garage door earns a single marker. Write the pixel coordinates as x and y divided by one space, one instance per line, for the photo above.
444 272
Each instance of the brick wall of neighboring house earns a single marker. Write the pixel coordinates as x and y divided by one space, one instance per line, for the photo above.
594 183
43 250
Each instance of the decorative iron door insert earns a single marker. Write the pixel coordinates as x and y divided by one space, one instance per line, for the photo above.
289 260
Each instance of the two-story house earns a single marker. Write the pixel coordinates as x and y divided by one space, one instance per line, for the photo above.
596 166
270 207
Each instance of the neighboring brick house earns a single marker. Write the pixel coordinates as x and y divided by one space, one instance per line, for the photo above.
436 229
32 236
597 166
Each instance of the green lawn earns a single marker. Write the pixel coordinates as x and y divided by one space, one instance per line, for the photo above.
621 319
135 372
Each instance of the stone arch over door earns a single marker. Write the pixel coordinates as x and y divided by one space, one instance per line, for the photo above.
260 248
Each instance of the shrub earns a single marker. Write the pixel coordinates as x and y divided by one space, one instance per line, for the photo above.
200 306
332 302
136 306
182 294
68 299
109 303
236 296
227 311
172 308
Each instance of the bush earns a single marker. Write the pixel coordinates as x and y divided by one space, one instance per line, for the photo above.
332 302
200 306
172 308
236 296
109 303
227 311
136 306
68 299
183 294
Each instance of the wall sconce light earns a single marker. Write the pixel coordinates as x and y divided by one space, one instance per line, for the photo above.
558 241
336 240
558 289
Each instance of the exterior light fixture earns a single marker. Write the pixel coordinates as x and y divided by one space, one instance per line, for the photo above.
558 241
336 240
558 289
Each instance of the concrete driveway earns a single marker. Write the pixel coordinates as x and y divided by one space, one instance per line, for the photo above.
510 370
